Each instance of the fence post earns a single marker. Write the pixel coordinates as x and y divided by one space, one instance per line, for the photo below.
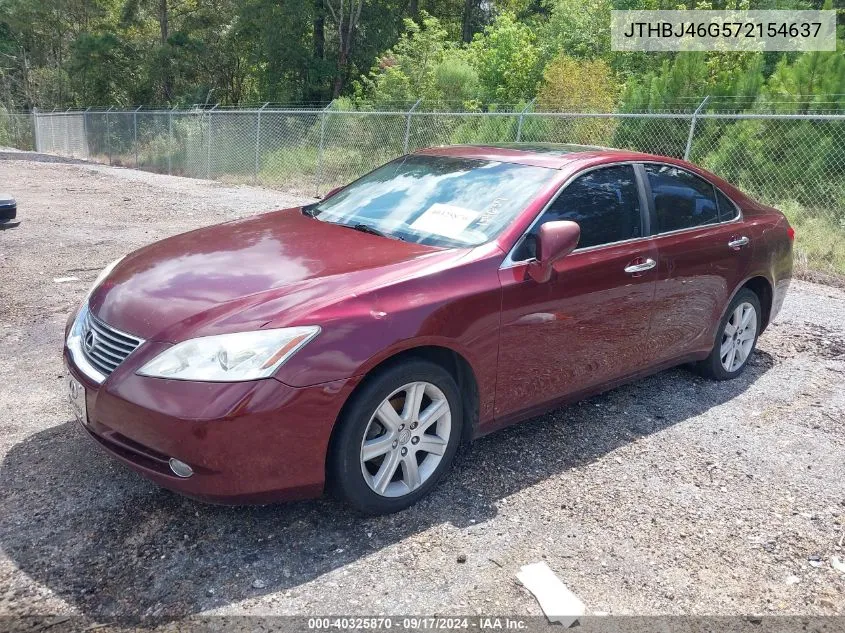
53 131
108 134
257 142
521 117
208 152
67 134
408 126
85 131
34 127
135 138
170 140
33 118
320 149
692 127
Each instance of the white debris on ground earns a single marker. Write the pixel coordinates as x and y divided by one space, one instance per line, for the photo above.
558 603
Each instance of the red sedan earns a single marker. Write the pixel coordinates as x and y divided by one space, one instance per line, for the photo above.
355 343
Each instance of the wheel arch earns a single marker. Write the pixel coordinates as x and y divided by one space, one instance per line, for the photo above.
450 359
762 287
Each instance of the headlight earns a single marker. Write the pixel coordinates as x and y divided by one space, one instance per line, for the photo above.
76 328
103 274
230 357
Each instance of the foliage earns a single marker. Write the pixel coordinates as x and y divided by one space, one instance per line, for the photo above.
457 80
578 29
818 239
409 70
59 54
573 85
507 60
818 78
99 65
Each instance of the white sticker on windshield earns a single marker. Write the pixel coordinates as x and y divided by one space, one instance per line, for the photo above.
445 219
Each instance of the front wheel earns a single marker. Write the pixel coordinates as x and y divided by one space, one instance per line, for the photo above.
736 338
397 437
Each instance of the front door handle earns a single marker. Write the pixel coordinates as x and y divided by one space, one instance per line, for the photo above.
640 267
738 242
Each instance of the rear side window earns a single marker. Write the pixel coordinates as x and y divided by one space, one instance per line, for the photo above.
727 209
681 199
605 203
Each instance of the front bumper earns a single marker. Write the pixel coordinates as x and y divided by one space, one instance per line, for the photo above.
247 442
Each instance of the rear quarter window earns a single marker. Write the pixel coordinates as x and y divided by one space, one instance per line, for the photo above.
681 199
728 210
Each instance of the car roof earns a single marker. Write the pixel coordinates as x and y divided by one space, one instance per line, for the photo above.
550 155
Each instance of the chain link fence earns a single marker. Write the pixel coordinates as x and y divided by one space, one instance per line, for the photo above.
793 161
17 130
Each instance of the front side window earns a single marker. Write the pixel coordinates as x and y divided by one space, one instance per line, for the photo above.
437 200
604 202
681 199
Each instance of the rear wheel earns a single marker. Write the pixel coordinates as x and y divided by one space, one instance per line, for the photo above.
397 437
736 338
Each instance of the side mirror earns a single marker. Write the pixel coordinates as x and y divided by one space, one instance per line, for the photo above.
332 192
554 242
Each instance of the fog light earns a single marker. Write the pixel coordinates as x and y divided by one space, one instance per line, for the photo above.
180 469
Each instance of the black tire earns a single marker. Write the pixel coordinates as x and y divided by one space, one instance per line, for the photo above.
346 477
712 366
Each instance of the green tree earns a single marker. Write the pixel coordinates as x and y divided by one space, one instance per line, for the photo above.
507 60
409 70
815 81
456 80
285 45
100 67
577 29
576 85
132 13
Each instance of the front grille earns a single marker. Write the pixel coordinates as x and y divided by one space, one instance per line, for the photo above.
105 347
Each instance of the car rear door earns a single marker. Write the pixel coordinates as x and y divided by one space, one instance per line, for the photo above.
704 252
589 323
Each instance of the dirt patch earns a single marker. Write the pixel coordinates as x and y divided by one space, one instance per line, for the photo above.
819 277
818 340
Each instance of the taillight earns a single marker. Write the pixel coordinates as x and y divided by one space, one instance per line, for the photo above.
791 233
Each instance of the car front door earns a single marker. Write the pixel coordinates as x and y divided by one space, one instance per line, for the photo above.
588 324
704 253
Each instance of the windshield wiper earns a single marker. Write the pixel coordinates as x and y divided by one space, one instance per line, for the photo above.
366 228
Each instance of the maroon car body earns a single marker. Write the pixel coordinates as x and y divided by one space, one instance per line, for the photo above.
520 347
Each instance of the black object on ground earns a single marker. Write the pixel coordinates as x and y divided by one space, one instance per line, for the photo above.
8 212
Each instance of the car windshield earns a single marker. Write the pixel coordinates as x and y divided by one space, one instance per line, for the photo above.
436 200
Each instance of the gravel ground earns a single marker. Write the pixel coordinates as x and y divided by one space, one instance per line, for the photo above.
673 495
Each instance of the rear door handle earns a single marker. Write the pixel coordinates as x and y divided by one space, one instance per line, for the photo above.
641 267
739 242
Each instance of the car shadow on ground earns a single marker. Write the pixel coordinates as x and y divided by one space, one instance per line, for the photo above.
110 543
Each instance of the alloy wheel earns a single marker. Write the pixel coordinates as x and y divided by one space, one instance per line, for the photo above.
406 439
738 337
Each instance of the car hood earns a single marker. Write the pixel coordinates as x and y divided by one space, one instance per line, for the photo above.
268 270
